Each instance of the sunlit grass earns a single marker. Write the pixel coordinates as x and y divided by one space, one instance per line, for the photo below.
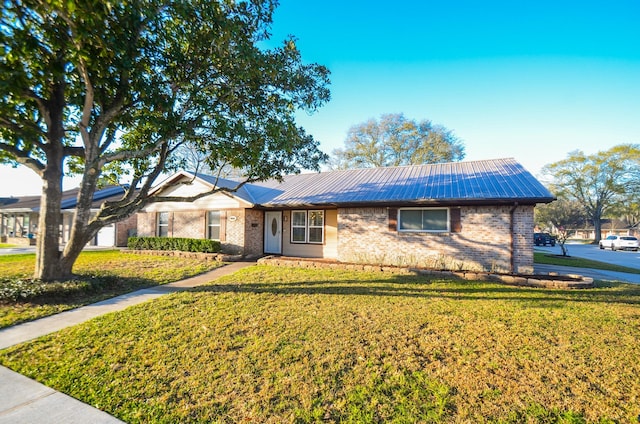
549 259
291 345
99 275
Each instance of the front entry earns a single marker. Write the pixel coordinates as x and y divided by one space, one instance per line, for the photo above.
273 232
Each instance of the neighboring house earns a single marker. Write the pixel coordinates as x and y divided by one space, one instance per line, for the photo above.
616 227
19 219
466 215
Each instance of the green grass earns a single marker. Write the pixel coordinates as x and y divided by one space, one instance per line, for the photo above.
6 246
99 275
545 258
277 345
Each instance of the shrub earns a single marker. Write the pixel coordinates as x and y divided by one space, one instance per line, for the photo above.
174 243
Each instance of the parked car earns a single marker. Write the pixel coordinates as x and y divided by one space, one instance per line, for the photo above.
620 243
542 239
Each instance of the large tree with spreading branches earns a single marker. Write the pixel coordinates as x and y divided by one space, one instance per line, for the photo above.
115 88
394 140
597 182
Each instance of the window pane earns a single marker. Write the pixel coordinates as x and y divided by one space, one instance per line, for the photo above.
163 218
214 217
299 218
411 220
316 218
214 232
298 234
434 220
163 231
315 235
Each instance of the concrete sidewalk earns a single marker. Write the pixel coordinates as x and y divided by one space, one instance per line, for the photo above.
23 400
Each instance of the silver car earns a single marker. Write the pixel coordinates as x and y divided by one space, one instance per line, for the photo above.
620 243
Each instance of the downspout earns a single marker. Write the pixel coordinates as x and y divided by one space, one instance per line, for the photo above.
513 239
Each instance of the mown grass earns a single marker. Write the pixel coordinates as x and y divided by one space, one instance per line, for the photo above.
99 275
545 258
6 246
277 345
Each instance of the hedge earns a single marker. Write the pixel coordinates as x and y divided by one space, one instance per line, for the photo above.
174 243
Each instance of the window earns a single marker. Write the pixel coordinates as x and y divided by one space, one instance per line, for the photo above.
213 225
424 220
307 227
163 224
299 226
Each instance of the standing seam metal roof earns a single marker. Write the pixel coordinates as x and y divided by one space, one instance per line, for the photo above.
498 180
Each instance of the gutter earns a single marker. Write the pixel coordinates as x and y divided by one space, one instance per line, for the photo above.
511 235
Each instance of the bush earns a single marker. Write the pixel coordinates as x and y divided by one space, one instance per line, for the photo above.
174 243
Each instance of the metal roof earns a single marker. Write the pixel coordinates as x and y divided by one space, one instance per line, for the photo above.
69 200
486 181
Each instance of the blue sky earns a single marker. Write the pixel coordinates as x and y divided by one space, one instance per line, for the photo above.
529 80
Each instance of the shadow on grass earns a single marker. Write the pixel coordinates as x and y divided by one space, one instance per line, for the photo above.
408 286
83 289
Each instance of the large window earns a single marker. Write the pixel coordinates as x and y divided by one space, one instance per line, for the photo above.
424 220
307 227
163 224
213 225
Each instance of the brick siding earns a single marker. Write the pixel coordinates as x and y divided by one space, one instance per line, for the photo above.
483 244
242 228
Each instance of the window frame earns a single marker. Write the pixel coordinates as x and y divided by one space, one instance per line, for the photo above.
423 210
307 226
210 225
160 224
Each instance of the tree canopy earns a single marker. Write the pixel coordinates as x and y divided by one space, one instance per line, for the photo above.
115 88
394 140
599 183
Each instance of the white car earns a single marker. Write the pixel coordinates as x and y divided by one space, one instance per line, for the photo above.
620 243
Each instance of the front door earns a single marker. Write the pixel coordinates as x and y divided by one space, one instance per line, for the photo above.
273 232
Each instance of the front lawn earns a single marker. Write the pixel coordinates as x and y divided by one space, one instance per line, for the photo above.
275 345
574 261
100 275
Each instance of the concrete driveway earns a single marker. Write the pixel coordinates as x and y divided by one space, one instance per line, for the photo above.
592 252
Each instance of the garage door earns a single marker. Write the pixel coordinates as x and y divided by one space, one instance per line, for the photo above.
107 236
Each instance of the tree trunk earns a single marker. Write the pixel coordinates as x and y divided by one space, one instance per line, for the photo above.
81 233
597 229
48 238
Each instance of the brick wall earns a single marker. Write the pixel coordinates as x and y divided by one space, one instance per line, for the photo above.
254 232
484 243
242 228
188 224
126 228
146 224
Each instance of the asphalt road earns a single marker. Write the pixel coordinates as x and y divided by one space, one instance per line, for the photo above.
624 258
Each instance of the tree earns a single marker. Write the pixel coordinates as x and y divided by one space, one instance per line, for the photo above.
394 141
99 87
597 182
562 215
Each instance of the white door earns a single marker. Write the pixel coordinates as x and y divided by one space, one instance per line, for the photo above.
273 232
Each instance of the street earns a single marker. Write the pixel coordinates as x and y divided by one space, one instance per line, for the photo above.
588 251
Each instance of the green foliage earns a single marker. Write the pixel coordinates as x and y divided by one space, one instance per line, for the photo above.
174 243
111 90
598 182
13 290
395 141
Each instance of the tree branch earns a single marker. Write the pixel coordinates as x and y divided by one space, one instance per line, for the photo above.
23 158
